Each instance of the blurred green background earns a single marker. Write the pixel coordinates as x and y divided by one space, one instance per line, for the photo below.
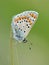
39 35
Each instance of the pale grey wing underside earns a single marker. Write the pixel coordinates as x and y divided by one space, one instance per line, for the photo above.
22 24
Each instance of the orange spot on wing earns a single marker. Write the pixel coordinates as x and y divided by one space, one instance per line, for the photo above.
31 14
30 22
15 20
35 16
19 18
24 17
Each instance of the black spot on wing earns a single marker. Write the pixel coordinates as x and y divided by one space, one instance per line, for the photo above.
24 31
20 22
28 26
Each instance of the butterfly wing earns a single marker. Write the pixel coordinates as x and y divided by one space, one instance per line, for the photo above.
22 24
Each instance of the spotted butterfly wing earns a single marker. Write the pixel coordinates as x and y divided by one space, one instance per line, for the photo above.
22 24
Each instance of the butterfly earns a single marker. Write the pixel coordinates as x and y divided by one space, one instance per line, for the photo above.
22 24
